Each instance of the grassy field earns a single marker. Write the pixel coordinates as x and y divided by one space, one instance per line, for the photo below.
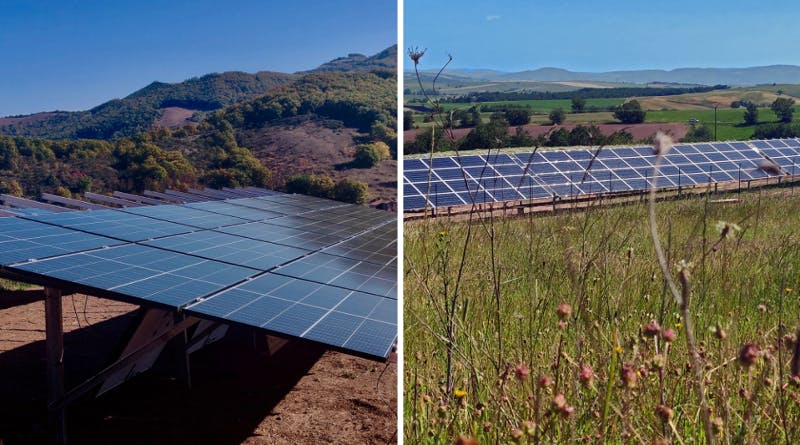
612 366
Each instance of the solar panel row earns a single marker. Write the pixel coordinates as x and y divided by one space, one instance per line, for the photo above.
464 180
289 264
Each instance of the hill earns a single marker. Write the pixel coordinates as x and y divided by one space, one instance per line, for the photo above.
141 110
309 126
174 104
461 81
384 60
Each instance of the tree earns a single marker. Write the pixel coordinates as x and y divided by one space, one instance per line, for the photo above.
698 133
518 116
348 190
558 138
490 135
736 104
521 138
382 132
321 186
783 107
422 142
630 113
408 120
750 114
578 104
581 135
369 155
557 116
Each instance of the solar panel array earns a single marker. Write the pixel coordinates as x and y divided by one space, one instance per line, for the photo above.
290 264
498 177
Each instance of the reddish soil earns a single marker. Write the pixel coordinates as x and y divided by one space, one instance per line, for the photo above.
639 131
302 394
317 147
173 117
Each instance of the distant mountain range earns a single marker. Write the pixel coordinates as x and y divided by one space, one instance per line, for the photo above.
172 104
780 74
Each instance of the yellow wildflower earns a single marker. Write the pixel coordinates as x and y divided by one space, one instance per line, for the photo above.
460 393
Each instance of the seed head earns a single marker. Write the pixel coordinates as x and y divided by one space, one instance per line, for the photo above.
564 311
651 329
662 144
628 375
521 372
529 427
465 440
769 167
544 381
415 54
717 424
665 413
749 354
586 376
668 335
719 332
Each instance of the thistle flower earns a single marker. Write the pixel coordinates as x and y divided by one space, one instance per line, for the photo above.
415 54
561 406
544 381
651 329
749 355
586 376
665 413
521 372
465 440
564 311
668 335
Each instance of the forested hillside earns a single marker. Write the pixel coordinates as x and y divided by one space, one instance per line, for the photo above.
219 151
139 111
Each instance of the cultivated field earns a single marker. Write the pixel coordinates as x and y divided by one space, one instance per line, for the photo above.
560 329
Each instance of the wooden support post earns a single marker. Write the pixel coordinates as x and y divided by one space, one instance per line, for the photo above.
54 330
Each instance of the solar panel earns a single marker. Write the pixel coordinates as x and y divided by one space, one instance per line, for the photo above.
498 177
326 273
186 215
23 240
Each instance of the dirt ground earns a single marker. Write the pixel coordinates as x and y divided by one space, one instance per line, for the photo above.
301 394
313 146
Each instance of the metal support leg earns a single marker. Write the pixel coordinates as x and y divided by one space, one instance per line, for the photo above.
183 354
54 329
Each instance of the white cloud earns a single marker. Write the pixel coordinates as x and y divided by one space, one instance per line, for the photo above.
492 18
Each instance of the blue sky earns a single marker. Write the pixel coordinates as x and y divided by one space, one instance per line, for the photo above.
584 35
76 54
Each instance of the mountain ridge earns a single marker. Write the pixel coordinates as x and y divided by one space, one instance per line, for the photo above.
145 108
742 76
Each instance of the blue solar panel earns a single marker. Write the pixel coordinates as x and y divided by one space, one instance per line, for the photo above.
438 163
185 215
331 315
22 240
413 164
684 165
170 256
